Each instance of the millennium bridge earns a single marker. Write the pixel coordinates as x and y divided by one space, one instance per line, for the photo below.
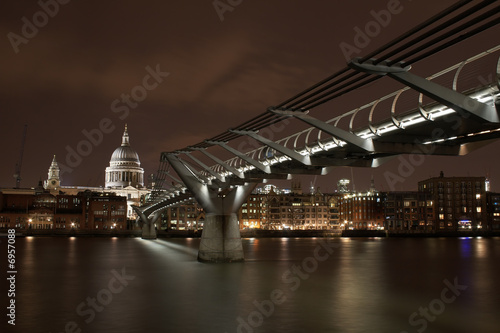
449 119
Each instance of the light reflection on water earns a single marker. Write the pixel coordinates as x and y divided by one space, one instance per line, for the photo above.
358 285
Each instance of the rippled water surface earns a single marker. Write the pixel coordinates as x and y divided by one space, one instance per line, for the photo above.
285 285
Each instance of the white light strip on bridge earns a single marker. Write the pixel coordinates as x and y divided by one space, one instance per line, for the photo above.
485 95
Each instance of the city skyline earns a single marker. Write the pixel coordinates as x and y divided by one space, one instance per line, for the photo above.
203 71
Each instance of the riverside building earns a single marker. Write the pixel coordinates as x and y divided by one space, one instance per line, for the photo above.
459 202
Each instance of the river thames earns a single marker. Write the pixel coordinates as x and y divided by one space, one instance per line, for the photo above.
285 285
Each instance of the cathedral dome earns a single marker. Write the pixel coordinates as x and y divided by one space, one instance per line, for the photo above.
124 167
125 155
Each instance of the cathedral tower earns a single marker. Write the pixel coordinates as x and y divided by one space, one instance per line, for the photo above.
53 181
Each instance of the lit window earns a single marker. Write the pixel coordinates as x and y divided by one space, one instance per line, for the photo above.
478 209
478 196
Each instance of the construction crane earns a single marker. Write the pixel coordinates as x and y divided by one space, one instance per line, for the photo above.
19 164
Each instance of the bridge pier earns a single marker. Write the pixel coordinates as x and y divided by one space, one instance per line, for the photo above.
148 226
148 231
220 239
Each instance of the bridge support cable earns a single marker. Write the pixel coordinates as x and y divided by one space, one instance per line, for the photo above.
159 180
442 31
457 33
415 30
220 240
449 27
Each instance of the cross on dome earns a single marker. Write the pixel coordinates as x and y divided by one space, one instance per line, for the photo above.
125 137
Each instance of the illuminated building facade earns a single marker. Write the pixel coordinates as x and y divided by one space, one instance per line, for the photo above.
185 216
459 202
493 209
409 211
43 210
253 212
294 211
362 211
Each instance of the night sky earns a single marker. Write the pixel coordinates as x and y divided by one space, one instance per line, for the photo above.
68 78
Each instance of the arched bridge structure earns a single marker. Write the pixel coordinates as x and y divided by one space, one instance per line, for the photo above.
443 119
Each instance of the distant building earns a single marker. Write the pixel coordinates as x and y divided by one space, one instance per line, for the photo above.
493 210
185 216
124 177
459 202
42 210
277 210
105 211
316 211
253 212
362 211
409 211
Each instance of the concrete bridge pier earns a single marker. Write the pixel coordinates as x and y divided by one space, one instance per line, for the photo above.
221 239
148 231
148 224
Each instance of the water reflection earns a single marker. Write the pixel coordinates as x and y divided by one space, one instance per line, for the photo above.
362 285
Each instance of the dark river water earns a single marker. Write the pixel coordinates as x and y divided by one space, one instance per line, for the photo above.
285 285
